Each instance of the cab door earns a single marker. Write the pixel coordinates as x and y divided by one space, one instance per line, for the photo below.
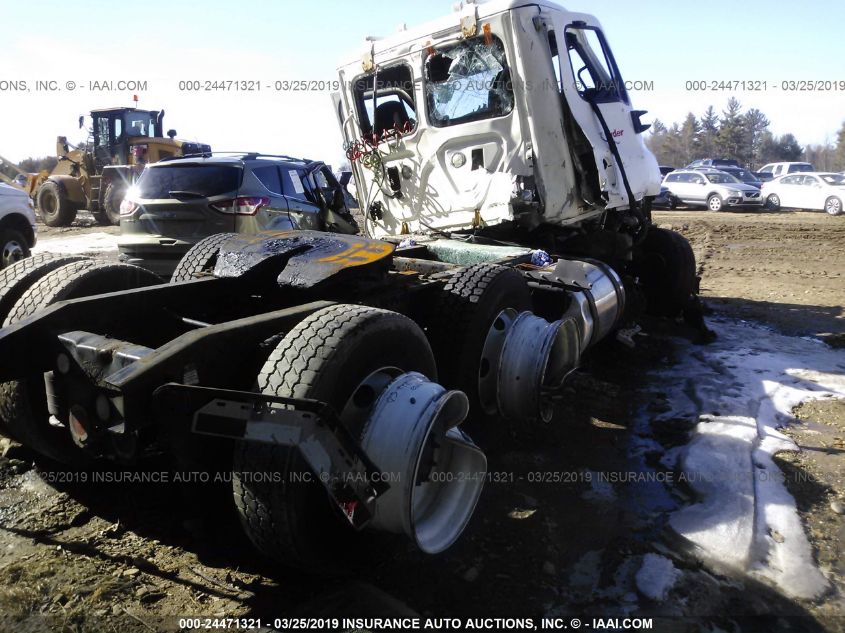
599 102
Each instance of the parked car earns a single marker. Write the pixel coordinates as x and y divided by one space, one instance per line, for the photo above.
664 200
718 163
743 175
17 225
175 203
810 190
19 180
773 170
711 188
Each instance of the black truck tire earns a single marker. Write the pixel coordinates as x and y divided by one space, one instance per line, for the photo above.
324 357
17 279
109 213
667 272
462 317
55 208
200 258
23 405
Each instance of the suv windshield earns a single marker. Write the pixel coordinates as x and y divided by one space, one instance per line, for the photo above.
721 179
188 179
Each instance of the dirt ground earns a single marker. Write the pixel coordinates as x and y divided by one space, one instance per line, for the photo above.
785 268
128 555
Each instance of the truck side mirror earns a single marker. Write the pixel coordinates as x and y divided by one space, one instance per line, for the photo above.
171 134
639 126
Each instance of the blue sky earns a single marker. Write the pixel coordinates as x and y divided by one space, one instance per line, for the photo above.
665 43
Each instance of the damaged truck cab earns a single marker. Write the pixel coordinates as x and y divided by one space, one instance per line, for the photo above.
503 112
506 192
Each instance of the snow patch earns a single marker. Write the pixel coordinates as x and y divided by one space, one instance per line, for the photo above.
745 386
78 244
656 577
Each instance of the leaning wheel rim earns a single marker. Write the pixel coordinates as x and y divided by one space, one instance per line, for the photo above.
12 252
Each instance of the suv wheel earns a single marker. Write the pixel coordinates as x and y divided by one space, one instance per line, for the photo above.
13 247
714 202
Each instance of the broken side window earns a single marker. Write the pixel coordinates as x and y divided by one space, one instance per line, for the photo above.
385 101
596 76
468 81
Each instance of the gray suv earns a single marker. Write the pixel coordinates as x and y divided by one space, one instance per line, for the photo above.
711 188
177 202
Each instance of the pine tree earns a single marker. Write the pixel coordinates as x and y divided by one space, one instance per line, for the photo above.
731 137
709 132
790 150
689 141
755 123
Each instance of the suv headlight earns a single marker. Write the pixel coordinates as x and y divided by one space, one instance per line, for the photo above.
733 193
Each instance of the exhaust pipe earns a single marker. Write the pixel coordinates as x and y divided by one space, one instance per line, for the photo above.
435 471
597 296
525 358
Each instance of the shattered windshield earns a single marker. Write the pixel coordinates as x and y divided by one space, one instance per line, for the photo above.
467 82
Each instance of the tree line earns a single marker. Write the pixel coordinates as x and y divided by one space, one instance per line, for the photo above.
744 136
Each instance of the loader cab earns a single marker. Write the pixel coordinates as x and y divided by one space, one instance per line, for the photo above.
500 112
115 130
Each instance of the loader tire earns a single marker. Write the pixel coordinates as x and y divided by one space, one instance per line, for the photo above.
324 357
667 272
101 218
200 258
55 207
462 317
23 404
110 212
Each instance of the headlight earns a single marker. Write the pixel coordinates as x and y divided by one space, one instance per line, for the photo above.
733 193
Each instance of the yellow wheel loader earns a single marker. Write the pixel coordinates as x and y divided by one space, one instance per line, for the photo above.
96 176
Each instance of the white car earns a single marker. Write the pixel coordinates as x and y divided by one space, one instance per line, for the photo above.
807 190
17 225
